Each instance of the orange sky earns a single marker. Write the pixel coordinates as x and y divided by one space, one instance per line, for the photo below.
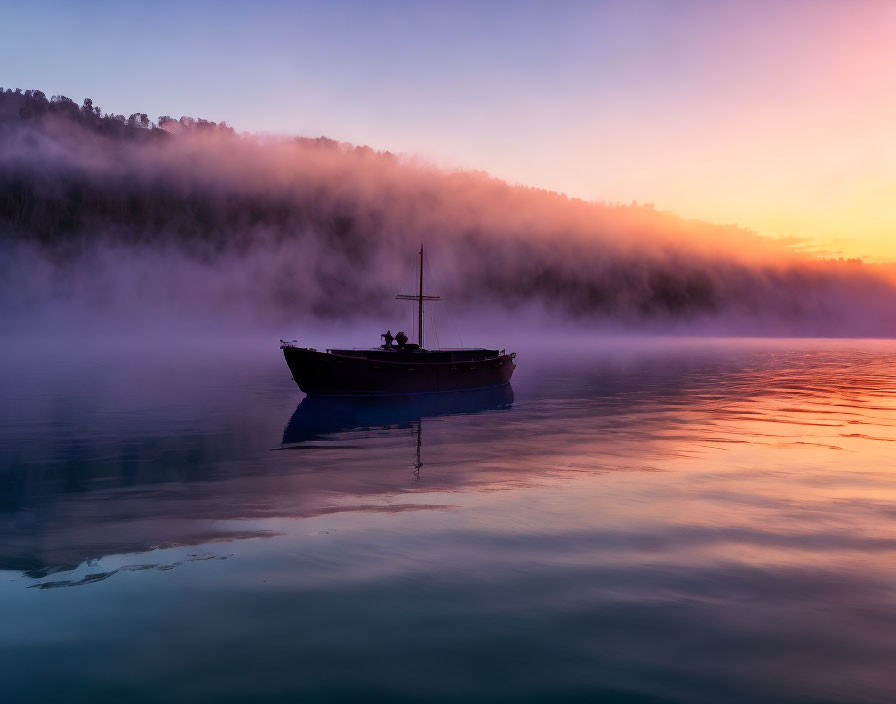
776 115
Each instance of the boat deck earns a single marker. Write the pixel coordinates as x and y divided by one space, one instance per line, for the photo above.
412 353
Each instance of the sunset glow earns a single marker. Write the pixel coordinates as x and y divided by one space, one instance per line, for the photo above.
759 114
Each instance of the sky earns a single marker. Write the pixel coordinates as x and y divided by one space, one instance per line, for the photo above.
776 116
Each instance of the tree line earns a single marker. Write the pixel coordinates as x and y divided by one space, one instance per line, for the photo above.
34 105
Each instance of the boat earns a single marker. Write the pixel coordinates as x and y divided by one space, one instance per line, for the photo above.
398 369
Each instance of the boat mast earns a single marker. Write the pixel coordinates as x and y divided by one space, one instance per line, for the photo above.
420 304
419 297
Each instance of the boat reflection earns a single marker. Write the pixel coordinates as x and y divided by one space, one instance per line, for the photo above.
317 418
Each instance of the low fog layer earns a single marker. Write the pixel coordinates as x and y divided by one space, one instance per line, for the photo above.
111 218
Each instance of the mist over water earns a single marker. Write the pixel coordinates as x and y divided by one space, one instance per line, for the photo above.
104 223
638 520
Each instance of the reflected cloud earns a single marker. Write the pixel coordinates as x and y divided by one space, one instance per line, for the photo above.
101 576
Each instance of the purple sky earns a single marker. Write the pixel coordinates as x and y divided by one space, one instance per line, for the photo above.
773 115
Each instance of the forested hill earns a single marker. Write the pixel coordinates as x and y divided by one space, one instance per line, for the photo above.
130 211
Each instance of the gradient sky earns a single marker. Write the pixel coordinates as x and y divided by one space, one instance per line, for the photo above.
777 116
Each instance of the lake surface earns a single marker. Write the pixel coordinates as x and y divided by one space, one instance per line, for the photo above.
636 521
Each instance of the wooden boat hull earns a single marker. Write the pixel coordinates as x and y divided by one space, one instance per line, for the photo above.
392 374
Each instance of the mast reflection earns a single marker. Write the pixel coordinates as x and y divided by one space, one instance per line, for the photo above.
418 464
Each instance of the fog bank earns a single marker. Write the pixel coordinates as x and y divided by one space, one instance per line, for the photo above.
108 220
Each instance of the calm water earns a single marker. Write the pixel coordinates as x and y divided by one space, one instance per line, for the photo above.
687 521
